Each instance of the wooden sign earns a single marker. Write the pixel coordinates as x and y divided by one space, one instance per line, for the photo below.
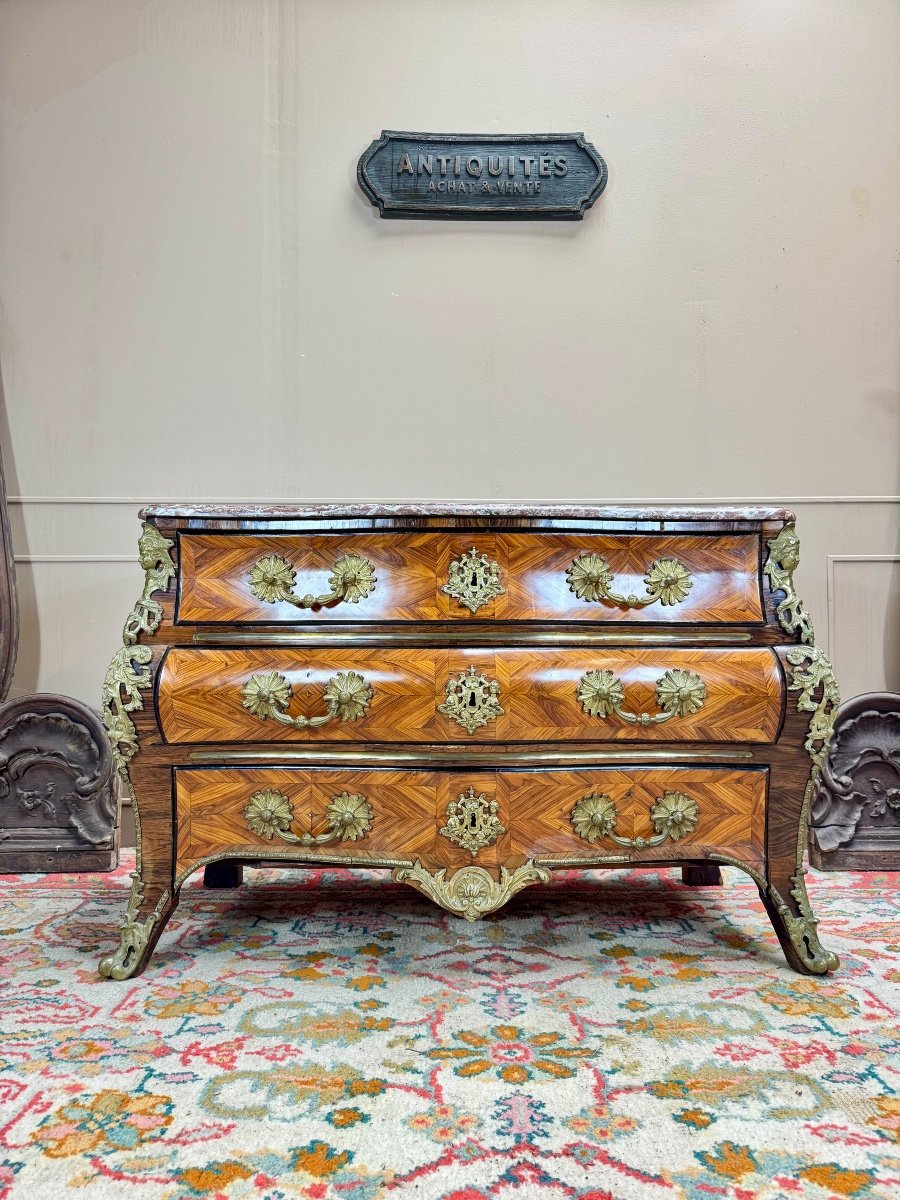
454 175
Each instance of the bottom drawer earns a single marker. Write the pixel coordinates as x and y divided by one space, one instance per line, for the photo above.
489 817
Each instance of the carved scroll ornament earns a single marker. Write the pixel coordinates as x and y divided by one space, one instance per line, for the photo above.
860 778
58 793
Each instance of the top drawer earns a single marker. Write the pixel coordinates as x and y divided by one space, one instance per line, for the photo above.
433 576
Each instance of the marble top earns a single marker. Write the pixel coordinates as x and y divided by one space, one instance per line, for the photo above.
241 510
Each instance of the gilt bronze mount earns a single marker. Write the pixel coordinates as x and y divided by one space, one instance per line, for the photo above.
472 821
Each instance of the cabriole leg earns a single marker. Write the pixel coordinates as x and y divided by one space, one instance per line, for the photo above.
153 897
783 892
145 918
790 912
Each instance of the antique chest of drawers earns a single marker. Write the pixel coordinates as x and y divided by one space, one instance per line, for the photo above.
470 697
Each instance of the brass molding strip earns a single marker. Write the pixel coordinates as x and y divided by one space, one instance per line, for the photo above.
435 760
580 863
263 856
463 636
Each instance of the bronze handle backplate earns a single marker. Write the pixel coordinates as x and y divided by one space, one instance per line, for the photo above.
347 696
678 693
673 815
352 578
270 814
667 581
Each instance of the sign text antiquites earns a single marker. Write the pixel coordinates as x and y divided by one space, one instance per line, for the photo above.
548 175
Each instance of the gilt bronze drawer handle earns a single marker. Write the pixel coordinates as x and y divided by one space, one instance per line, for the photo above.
667 581
472 700
472 821
270 814
352 578
678 693
673 815
474 580
347 696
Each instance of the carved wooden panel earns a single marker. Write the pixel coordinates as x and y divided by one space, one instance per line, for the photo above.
58 792
409 811
855 817
412 571
201 694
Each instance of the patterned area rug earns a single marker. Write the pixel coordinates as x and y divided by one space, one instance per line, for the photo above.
315 1035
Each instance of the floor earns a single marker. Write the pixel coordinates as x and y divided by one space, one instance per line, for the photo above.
320 1034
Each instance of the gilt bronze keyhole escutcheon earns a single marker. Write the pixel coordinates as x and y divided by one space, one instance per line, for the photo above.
472 700
472 821
474 580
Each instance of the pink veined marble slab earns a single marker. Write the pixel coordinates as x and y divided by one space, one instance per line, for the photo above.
241 510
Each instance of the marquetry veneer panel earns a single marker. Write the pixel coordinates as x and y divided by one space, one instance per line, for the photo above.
412 568
211 803
200 694
730 803
409 809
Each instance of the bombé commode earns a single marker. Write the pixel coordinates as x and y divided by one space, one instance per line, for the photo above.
471 698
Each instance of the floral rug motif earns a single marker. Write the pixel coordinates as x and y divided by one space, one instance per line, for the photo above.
334 1037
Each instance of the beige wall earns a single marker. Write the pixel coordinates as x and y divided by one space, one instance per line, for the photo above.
197 302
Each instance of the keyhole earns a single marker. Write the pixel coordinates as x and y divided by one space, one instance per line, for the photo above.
473 822
472 700
473 582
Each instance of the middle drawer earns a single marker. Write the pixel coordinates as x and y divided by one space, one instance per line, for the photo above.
445 696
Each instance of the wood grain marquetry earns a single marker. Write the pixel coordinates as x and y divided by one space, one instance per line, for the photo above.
200 696
211 803
413 568
730 804
409 808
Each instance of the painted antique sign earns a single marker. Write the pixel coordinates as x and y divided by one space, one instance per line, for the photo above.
533 175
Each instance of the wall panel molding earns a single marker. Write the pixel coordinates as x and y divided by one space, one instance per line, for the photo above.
863 621
75 558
